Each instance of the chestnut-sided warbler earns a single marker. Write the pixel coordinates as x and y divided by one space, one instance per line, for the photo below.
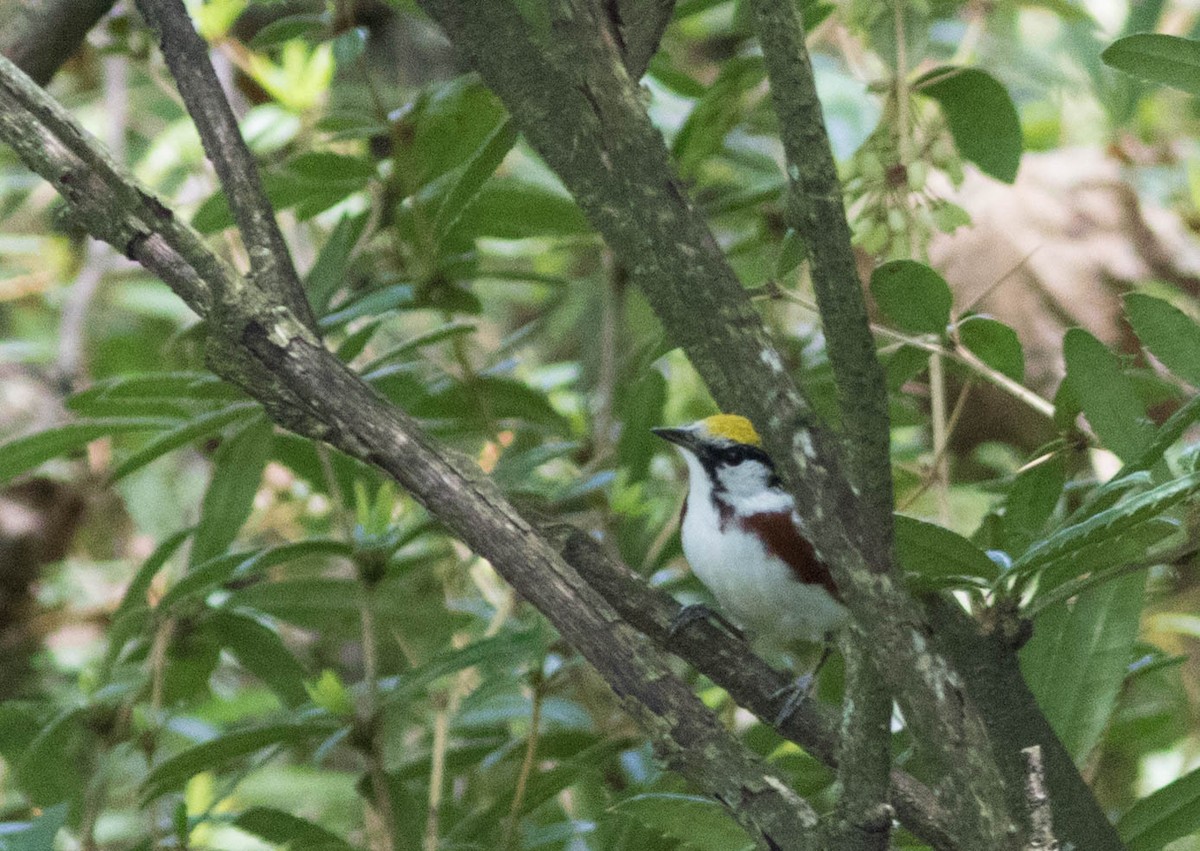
741 536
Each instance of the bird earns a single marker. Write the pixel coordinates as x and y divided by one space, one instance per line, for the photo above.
742 537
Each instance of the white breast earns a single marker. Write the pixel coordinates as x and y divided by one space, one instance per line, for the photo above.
753 587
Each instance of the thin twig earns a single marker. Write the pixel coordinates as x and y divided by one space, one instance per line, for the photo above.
512 833
370 718
187 57
959 353
960 405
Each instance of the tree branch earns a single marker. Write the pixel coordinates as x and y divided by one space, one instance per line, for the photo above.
279 362
990 668
638 26
816 212
187 56
583 114
863 818
39 37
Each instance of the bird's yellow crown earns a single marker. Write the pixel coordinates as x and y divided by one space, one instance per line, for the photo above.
732 427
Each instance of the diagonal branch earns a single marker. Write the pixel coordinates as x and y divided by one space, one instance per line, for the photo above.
187 56
578 107
306 388
816 212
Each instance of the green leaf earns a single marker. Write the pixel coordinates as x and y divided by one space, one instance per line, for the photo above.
315 602
1078 658
640 407
190 385
981 115
913 296
1031 500
448 124
1103 540
237 471
1167 59
190 661
353 345
995 344
36 835
484 398
22 454
698 821
328 273
308 26
374 303
905 364
208 575
135 594
172 773
280 828
717 113
259 650
190 431
1170 813
59 742
455 328
463 184
792 252
938 557
516 209
507 648
1170 334
1106 395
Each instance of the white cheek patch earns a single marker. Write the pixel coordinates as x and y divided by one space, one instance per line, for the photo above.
747 488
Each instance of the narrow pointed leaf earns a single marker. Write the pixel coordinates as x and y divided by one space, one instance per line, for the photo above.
1079 657
1171 813
22 454
175 771
190 431
237 471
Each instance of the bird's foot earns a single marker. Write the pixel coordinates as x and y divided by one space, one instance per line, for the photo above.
699 612
797 692
800 690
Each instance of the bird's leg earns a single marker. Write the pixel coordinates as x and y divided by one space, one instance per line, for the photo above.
800 690
698 612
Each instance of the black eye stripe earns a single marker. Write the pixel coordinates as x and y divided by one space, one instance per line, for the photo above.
737 453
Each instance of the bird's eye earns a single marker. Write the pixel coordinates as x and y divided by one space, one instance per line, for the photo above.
735 455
